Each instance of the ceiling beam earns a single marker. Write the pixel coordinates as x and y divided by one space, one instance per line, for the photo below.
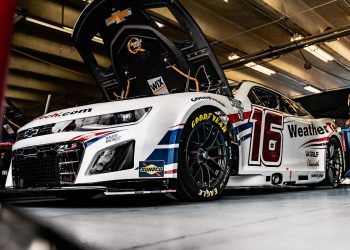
289 47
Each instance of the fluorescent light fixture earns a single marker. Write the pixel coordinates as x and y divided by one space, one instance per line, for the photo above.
54 27
160 25
319 53
232 56
312 89
314 49
260 68
64 29
252 65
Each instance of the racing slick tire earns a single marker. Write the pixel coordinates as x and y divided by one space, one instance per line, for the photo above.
334 163
205 158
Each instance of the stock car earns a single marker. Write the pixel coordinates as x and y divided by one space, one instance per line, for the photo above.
172 124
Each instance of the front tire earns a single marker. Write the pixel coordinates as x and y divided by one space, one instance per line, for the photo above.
205 158
334 163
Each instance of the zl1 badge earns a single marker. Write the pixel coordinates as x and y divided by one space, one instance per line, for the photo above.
151 169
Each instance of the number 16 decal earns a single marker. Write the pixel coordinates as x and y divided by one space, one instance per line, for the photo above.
267 138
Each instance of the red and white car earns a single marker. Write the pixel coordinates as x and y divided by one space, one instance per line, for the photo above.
172 123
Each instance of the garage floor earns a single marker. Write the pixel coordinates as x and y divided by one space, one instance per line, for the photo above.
296 218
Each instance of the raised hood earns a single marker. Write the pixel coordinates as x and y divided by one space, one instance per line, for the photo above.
146 59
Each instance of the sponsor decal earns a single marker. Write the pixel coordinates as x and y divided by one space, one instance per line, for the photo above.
134 45
194 99
314 164
64 147
151 169
209 116
158 86
208 193
113 138
296 131
8 129
311 154
64 113
317 175
118 17
4 172
31 132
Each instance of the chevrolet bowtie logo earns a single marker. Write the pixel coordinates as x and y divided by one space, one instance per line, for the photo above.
31 132
118 17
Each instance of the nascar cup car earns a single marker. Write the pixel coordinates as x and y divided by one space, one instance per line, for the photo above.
172 124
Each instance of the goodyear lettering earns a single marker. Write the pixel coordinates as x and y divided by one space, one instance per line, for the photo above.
64 114
208 193
206 98
209 116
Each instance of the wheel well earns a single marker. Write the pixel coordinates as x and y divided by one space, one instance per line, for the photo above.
231 133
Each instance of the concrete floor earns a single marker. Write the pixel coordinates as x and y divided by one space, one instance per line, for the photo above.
296 218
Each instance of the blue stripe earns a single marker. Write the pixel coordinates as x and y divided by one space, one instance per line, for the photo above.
243 127
171 137
168 155
244 138
93 140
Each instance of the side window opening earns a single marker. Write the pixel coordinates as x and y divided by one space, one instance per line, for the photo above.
267 99
253 98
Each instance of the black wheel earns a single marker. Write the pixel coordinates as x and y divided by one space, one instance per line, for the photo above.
334 163
205 158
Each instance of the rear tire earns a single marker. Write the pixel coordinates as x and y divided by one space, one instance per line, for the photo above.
205 158
334 163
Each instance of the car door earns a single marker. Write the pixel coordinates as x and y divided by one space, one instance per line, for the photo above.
271 146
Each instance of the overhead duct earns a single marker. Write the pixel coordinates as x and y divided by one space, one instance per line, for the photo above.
289 47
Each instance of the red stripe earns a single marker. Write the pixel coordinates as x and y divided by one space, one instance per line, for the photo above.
88 136
174 171
235 118
344 141
178 125
316 140
6 145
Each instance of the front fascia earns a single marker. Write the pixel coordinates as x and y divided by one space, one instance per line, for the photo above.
168 115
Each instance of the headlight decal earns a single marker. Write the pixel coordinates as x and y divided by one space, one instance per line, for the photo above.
93 137
98 122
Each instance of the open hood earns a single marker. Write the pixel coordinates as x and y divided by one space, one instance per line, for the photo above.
145 58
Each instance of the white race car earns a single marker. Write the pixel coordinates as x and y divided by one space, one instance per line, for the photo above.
172 124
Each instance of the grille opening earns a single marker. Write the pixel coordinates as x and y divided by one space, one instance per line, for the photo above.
114 159
46 166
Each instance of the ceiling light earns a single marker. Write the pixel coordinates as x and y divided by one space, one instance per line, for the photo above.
226 1
312 89
319 53
260 68
314 49
252 65
64 29
232 56
160 25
